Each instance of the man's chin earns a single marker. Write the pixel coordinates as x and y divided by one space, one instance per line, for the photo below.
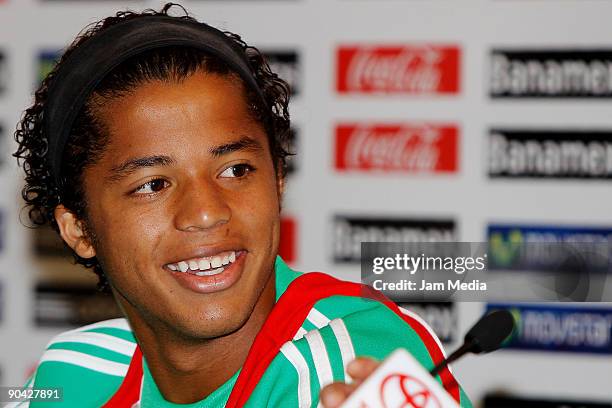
210 327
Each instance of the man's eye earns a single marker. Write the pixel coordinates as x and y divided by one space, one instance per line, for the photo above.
152 186
237 171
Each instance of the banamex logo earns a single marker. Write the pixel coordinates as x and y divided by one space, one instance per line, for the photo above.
542 153
409 69
349 231
551 73
410 148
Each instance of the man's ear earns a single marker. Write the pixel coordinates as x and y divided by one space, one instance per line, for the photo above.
71 230
280 185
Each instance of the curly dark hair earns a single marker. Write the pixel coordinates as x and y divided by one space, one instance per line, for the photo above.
88 136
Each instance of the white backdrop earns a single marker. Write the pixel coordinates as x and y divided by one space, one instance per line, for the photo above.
317 193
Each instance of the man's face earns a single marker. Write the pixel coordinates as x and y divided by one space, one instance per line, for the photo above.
186 181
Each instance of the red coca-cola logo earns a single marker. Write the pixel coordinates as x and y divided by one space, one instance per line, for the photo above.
425 69
404 391
288 235
412 148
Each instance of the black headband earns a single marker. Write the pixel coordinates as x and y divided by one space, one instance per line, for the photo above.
90 62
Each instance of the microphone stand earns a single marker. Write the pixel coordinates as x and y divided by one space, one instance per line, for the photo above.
464 349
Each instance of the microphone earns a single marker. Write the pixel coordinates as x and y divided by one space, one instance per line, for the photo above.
485 336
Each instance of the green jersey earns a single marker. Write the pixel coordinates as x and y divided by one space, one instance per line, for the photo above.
91 363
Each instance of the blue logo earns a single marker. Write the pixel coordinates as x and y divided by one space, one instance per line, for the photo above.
549 248
559 328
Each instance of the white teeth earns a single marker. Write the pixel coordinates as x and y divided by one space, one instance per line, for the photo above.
211 272
216 262
204 264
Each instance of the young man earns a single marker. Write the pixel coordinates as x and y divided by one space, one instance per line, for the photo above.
156 148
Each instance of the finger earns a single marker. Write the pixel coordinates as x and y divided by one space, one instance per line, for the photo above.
333 395
362 367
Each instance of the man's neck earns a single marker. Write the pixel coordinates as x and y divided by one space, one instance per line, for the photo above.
188 370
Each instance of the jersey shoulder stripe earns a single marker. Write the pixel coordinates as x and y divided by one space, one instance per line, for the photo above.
107 352
320 356
119 323
89 362
105 341
345 344
297 360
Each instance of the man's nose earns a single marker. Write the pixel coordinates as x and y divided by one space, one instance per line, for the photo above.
202 206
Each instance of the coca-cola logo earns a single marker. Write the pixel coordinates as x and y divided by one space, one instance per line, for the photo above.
425 69
404 391
415 148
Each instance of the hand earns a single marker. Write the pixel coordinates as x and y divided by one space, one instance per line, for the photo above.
333 395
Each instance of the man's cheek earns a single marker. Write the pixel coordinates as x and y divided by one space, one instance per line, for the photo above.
121 250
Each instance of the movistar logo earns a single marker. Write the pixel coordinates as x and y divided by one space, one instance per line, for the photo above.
505 251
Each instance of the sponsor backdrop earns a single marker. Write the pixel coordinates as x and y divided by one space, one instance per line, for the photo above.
468 120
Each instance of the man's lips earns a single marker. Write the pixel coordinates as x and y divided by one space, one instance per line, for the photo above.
212 279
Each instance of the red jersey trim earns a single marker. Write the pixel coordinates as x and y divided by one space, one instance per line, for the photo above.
128 393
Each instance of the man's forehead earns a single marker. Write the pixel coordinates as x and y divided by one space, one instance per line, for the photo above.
161 115
200 96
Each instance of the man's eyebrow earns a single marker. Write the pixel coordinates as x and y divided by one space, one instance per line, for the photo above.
246 143
131 165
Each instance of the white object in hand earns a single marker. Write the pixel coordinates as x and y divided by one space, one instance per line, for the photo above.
400 381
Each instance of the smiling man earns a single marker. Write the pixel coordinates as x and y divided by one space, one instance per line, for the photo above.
156 148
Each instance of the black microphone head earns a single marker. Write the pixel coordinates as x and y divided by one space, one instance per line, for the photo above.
490 331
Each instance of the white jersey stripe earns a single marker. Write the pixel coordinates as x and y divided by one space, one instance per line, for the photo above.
22 404
112 343
300 333
347 351
317 318
86 361
30 382
119 323
320 357
291 352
